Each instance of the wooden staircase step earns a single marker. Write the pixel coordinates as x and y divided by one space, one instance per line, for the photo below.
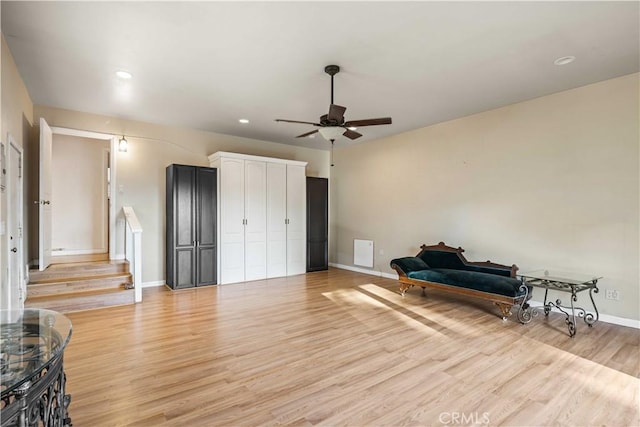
80 285
78 269
66 303
57 286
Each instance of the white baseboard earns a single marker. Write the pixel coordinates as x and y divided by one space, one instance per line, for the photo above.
607 318
364 270
118 257
63 252
153 284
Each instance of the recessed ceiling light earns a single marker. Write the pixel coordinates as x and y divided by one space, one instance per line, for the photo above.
124 74
243 121
564 60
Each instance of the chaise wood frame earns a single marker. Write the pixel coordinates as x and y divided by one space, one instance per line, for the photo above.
503 302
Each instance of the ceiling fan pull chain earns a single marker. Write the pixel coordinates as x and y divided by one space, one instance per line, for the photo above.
332 152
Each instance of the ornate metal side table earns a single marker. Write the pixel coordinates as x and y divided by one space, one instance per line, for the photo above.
32 378
563 282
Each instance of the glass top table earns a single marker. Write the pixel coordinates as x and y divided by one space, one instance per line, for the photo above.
572 283
32 343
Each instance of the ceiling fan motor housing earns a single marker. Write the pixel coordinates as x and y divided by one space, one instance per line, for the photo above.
325 121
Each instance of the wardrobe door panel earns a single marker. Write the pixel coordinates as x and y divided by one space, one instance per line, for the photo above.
184 187
276 217
255 207
296 220
232 220
207 272
185 272
206 227
317 224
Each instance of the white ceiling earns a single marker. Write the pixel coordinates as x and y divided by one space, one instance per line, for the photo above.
204 65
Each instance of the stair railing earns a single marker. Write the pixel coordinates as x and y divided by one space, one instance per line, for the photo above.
133 249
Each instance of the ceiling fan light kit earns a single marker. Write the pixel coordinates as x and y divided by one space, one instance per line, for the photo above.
332 124
331 132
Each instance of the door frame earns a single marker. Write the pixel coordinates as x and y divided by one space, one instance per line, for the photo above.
112 182
15 213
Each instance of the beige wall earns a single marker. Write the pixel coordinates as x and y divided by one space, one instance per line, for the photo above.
549 183
140 173
17 118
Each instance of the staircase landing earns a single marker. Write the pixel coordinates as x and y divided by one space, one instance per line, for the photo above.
74 283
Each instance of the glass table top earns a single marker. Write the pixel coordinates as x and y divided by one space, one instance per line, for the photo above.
561 277
30 339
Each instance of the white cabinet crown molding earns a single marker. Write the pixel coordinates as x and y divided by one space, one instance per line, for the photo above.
215 156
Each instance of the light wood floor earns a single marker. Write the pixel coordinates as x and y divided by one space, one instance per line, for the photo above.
342 348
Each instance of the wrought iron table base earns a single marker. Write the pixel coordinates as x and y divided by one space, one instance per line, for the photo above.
31 355
570 318
526 313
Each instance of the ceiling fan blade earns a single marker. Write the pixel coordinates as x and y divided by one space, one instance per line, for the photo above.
369 122
307 134
336 112
296 121
351 134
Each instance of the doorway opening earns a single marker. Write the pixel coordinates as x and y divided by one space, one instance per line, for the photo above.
79 220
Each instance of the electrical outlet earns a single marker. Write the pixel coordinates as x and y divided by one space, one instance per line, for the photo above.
612 294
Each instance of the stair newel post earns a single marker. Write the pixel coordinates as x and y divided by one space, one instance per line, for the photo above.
133 249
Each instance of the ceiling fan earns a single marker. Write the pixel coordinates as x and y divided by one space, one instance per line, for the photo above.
333 124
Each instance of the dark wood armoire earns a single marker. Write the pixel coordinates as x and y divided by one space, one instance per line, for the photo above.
191 234
317 224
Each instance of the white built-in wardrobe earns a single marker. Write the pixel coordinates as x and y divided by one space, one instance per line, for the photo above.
262 217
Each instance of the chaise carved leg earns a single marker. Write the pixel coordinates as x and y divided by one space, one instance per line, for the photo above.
404 287
505 309
424 294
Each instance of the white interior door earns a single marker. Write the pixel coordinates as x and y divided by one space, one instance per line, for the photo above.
15 224
45 222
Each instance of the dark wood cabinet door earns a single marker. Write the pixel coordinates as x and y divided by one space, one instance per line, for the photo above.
317 224
191 226
207 272
180 234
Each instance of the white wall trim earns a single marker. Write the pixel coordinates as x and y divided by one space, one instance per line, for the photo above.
118 257
364 270
153 284
607 318
63 252
81 133
215 156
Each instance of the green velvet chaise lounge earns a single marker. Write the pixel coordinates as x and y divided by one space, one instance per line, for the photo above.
445 268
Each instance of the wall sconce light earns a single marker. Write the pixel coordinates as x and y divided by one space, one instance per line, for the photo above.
123 145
